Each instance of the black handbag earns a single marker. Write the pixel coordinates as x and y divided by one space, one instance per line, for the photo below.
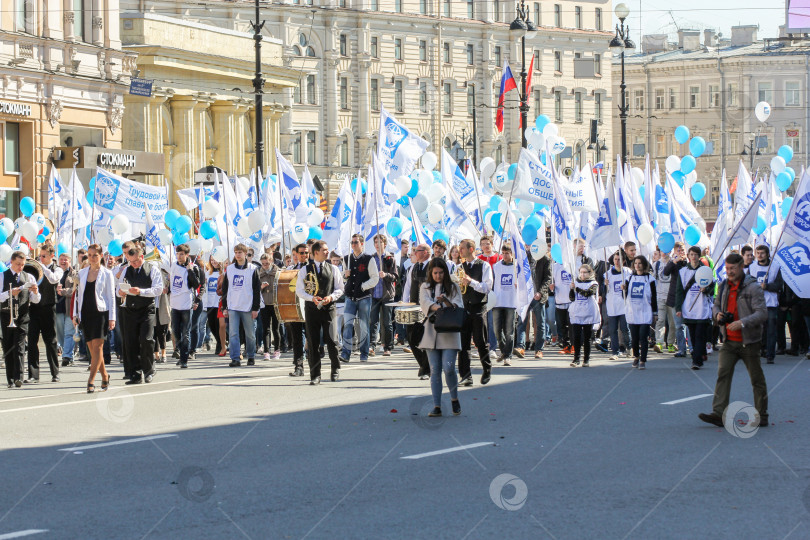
449 319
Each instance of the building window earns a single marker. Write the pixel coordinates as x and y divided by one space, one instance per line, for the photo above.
375 5
597 61
423 97
470 99
538 102
661 145
398 6
24 11
448 99
765 91
446 49
398 96
311 89
398 48
638 100
446 8
496 10
310 52
537 14
792 140
694 97
714 95
344 153
659 99
342 3
295 148
297 93
78 20
792 94
578 107
423 7
343 45
470 54
344 93
731 97
558 106
673 99
578 17
597 107
733 143
558 15
558 61
374 94
497 51
375 47
422 50
598 19
470 9
310 147
537 60
12 148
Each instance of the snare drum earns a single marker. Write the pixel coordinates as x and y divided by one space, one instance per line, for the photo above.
408 315
289 307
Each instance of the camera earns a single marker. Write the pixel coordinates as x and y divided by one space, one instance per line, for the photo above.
727 317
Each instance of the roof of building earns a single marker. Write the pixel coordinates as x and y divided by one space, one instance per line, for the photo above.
759 48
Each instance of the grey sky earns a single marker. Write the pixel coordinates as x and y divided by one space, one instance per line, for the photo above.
657 15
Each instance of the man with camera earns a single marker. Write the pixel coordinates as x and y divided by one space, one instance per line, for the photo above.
739 308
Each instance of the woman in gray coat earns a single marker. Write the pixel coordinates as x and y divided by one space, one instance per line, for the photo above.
442 348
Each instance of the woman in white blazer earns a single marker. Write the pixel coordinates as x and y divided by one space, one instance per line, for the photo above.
442 348
94 309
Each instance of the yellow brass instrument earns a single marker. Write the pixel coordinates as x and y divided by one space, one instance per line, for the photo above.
311 284
153 256
461 275
34 267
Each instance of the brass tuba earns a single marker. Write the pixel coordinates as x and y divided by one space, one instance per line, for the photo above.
460 275
311 284
34 267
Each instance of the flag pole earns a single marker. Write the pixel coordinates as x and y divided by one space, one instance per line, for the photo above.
281 209
93 213
478 199
73 212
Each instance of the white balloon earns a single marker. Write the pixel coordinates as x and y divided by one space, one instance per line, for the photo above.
645 234
244 229
19 222
244 182
778 164
499 181
762 111
193 246
165 236
300 233
315 217
5 253
219 254
551 130
37 219
673 163
539 246
119 224
425 179
256 221
435 192
435 213
423 217
402 185
704 276
7 225
689 181
23 248
638 176
556 145
420 202
29 231
104 236
206 245
621 215
487 167
429 161
212 209
526 207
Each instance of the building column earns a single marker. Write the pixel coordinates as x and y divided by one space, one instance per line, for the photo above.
330 97
363 103
184 133
224 118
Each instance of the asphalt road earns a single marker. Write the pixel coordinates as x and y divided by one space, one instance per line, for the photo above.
543 451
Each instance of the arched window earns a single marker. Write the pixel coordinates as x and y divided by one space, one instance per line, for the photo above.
448 143
297 50
310 52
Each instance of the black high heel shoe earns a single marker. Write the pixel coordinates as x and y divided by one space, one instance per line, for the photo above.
91 388
105 384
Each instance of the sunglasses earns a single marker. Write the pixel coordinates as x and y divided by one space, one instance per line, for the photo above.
355 242
131 252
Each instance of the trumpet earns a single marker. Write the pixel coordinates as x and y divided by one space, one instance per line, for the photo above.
460 275
14 310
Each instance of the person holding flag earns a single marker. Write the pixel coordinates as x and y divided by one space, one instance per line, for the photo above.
584 313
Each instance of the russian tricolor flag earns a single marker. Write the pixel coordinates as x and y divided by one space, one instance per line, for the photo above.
507 83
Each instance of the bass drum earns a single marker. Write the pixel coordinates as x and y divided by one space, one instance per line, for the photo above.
289 307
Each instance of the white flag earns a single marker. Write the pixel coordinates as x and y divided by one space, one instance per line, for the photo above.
797 224
794 261
397 148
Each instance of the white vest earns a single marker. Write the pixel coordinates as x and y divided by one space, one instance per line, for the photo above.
759 272
562 286
504 285
240 287
181 296
584 310
702 309
210 296
639 300
615 296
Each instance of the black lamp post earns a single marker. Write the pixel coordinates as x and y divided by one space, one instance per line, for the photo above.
525 28
748 149
258 89
618 44
600 147
468 147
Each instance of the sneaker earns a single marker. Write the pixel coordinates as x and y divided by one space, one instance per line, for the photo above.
671 349
498 357
574 363
680 355
235 363
520 353
386 353
371 352
251 362
586 364
276 355
407 350
770 361
600 347
635 362
207 345
176 354
260 350
507 362
538 355
437 411
642 365
614 358
467 381
267 356
473 354
456 407
695 367
709 348
658 348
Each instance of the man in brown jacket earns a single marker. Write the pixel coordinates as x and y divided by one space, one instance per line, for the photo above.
739 308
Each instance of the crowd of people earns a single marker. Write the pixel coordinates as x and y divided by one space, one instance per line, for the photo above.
622 304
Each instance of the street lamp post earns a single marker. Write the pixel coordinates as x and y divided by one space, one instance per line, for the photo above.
258 89
618 44
600 147
748 149
525 28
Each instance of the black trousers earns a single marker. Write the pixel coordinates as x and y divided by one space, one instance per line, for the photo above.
563 327
139 336
160 337
213 326
698 334
639 340
271 330
582 340
320 322
42 322
297 341
14 343
475 329
415 332
122 327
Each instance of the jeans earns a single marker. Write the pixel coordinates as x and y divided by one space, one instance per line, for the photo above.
665 326
699 332
730 352
181 328
770 344
356 310
520 332
64 334
680 331
236 320
541 331
616 323
197 329
504 321
442 360
640 338
382 314
551 319
493 343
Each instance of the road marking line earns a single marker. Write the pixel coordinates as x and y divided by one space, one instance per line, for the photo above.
700 396
446 450
116 443
20 534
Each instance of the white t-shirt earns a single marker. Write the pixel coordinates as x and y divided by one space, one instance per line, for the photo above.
504 284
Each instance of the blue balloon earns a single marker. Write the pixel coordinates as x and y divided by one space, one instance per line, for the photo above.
761 225
540 207
533 221
692 235
679 177
437 177
688 164
529 234
315 233
208 229
91 197
666 242
783 181
441 235
681 134
394 226
543 158
3 267
403 201
27 206
541 121
363 185
180 238
643 192
182 224
698 191
116 247
92 184
41 238
512 171
496 222
556 253
697 146
495 202
791 172
414 188
786 204
170 217
46 230
61 248
785 152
